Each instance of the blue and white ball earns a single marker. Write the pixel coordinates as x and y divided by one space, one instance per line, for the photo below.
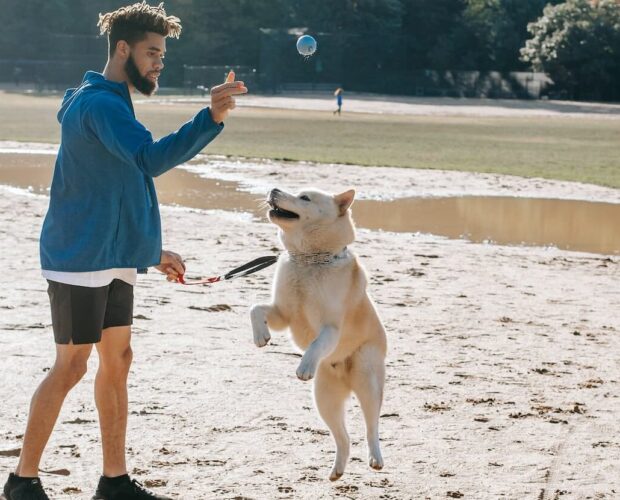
306 45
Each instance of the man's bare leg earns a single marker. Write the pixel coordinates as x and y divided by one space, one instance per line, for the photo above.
68 370
111 396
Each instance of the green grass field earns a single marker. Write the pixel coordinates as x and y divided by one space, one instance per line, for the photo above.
576 149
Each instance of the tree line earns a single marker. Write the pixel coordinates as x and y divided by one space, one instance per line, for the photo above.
576 42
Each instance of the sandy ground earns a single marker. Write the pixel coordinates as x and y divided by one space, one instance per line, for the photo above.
502 374
377 183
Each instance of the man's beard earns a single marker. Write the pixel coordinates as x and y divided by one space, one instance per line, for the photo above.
141 83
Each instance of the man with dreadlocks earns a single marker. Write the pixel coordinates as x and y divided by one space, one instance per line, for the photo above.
102 227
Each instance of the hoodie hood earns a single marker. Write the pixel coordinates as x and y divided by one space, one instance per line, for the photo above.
93 82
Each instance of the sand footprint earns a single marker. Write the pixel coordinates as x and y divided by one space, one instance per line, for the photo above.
347 488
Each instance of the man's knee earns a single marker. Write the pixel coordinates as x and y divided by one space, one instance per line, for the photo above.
70 370
116 364
127 358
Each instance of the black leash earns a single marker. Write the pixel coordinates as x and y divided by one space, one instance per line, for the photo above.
244 270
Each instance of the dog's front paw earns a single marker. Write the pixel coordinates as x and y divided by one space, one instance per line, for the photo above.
306 370
261 337
259 326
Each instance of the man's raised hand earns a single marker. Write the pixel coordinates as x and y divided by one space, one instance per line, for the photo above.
222 97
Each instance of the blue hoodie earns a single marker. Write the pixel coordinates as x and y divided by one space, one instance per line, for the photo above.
103 210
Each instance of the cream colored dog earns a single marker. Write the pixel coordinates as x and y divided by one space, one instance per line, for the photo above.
319 293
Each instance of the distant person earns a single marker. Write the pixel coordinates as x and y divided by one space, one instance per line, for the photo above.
338 94
103 226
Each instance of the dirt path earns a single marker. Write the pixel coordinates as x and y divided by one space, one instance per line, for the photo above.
418 106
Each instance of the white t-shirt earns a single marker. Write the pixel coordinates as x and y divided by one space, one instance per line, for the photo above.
93 279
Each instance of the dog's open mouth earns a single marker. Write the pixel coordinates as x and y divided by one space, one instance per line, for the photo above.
277 211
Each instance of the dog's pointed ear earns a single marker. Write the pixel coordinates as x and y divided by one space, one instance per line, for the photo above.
344 200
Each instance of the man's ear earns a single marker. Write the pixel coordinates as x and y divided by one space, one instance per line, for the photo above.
122 49
344 200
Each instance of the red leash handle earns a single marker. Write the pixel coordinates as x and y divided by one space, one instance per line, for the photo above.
205 281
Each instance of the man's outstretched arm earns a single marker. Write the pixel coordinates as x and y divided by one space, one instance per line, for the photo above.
111 122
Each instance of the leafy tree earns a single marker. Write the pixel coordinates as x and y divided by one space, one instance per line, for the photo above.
493 31
225 31
469 34
578 44
352 16
427 27
364 36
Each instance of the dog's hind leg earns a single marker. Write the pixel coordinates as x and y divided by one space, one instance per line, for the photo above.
367 379
265 316
330 395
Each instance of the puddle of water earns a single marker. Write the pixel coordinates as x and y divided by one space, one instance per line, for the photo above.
567 224
176 187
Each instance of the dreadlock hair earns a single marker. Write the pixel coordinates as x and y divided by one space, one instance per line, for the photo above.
131 23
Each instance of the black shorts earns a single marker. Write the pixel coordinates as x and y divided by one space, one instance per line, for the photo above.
80 313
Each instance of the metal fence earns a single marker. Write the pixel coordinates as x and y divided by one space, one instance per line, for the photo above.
492 84
44 74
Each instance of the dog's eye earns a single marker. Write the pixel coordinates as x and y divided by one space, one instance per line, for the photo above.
304 197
